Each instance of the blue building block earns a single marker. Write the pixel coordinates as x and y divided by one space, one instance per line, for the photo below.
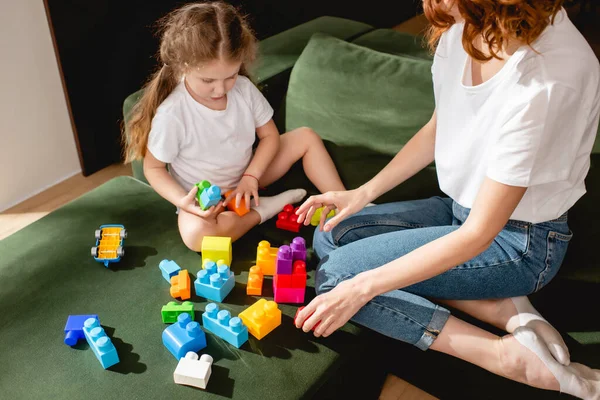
74 328
231 330
100 343
169 269
183 336
214 282
210 197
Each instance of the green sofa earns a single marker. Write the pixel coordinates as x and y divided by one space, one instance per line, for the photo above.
365 91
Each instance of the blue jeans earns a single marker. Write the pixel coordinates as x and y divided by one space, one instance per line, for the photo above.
522 259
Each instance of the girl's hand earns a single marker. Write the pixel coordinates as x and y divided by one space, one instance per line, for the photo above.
188 203
333 309
347 203
248 187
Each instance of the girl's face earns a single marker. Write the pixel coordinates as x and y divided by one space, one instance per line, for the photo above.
211 81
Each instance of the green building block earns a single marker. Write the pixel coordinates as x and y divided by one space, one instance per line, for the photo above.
171 311
202 185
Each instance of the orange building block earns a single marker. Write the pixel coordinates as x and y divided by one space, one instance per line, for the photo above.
266 257
261 318
180 285
241 210
255 281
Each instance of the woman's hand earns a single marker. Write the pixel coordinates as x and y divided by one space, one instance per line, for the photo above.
347 203
248 187
333 309
189 204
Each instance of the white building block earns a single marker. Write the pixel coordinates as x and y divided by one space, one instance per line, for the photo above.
193 372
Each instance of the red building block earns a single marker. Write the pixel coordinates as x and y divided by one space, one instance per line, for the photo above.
299 274
288 220
282 281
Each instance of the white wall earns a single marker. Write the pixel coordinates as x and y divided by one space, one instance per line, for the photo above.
37 147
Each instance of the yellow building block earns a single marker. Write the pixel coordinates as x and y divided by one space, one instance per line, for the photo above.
216 248
266 257
316 218
261 318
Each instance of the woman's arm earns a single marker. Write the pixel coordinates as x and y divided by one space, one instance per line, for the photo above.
491 211
412 158
493 207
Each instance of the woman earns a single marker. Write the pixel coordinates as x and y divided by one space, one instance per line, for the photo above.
517 104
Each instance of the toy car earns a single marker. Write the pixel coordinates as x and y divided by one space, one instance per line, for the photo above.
109 244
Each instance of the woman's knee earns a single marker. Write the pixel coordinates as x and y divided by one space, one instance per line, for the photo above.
332 269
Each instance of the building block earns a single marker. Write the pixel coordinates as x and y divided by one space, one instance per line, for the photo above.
180 285
316 218
210 197
288 220
255 281
296 316
183 336
241 210
261 318
231 330
216 248
299 274
266 257
209 261
202 186
283 264
288 295
282 281
169 269
171 311
298 247
214 282
192 371
100 343
74 328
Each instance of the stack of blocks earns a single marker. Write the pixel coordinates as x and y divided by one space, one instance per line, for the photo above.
287 219
183 336
289 282
216 248
215 281
232 330
261 318
208 195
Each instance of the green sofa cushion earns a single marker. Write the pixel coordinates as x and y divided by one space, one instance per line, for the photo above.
394 42
47 273
355 96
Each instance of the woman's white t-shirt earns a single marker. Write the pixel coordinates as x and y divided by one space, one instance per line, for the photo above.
532 124
200 143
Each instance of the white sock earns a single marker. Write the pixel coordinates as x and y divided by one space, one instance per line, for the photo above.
528 316
575 379
370 205
271 206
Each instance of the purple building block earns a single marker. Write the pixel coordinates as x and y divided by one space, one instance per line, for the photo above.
74 328
298 247
283 264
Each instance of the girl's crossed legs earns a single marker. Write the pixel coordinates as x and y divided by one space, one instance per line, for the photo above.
299 144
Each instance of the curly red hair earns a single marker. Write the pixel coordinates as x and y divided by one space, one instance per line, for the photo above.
497 21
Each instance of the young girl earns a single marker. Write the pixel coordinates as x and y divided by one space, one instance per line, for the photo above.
517 92
200 114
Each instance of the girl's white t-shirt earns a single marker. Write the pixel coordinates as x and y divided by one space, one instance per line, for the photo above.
200 143
533 124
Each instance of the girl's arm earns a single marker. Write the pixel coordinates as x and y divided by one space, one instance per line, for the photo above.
266 150
412 158
165 185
